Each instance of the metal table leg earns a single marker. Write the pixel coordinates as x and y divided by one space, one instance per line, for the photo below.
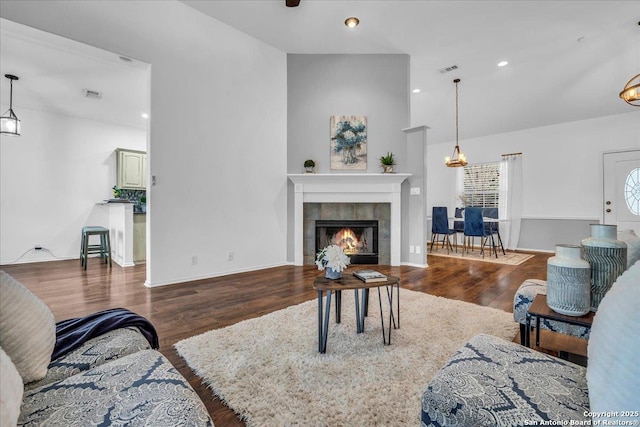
392 320
323 326
338 305
360 310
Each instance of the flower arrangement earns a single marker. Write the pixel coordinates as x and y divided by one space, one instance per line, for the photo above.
333 257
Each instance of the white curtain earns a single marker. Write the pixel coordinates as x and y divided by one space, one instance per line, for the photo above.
511 205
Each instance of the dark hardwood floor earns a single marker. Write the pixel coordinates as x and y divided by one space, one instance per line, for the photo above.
183 310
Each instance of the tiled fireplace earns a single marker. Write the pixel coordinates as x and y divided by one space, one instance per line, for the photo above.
348 197
362 229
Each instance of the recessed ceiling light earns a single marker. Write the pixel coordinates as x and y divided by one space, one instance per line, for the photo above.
502 63
352 22
145 116
416 90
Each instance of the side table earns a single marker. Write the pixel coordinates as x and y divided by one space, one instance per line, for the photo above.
540 310
348 282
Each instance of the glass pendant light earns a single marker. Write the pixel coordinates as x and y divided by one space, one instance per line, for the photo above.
9 122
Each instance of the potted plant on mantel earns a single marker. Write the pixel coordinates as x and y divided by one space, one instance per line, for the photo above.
309 166
387 162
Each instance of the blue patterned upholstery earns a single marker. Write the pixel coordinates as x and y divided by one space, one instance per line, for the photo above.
524 298
493 382
141 389
95 352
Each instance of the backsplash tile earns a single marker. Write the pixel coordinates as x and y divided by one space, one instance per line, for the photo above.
134 196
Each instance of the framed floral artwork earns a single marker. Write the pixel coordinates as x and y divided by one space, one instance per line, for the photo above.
348 142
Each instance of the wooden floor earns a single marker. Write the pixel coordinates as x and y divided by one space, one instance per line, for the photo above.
181 311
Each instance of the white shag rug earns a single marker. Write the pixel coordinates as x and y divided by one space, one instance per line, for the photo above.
269 371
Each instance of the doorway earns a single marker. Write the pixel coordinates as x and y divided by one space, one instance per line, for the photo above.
621 195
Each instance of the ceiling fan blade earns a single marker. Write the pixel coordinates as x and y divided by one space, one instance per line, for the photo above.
292 3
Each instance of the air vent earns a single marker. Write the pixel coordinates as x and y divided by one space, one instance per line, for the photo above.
446 70
93 94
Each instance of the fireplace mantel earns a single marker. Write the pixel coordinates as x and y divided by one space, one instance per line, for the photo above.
348 188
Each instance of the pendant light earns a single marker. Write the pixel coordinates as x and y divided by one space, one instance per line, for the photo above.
631 93
9 123
458 158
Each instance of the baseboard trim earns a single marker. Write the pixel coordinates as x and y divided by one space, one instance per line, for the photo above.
185 280
413 264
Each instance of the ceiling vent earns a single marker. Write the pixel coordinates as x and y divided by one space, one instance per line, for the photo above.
447 69
93 94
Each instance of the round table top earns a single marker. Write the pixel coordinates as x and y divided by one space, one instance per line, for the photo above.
349 281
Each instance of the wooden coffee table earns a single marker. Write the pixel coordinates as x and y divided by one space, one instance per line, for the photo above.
349 282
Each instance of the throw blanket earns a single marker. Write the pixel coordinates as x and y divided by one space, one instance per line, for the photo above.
72 333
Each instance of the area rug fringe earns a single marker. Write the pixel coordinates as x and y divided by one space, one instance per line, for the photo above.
268 369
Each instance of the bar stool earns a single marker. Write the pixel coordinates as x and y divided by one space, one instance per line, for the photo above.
104 248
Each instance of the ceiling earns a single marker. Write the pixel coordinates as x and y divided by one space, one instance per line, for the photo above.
53 71
568 60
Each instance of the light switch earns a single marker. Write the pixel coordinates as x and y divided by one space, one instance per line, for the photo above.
411 249
415 191
418 250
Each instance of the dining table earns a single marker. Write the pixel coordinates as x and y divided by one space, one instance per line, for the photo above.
486 220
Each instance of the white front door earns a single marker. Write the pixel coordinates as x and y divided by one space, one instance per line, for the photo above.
621 202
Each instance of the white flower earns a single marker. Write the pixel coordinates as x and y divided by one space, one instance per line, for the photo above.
333 257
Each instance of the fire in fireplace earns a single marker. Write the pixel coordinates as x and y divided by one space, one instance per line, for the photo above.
358 239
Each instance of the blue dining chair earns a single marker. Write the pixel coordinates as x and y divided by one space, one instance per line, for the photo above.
474 227
458 226
440 227
493 227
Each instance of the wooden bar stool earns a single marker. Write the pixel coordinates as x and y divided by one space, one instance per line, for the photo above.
104 248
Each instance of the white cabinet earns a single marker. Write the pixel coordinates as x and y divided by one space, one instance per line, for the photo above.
131 169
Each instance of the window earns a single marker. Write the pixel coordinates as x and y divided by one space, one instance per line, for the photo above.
632 191
480 185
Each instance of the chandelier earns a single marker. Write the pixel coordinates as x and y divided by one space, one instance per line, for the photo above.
631 93
9 123
458 158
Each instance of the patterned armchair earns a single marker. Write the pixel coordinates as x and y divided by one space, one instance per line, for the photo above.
493 382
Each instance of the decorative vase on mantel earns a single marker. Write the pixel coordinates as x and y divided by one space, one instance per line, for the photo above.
607 257
568 281
332 274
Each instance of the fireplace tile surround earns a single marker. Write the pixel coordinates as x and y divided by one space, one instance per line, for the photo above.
380 212
343 194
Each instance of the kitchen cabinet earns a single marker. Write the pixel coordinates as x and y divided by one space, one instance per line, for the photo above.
131 169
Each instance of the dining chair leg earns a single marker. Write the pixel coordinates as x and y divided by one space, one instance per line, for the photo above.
500 241
433 239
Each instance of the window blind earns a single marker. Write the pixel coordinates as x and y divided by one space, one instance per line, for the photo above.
481 185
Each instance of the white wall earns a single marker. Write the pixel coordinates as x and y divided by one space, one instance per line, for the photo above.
51 178
217 130
320 86
562 165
